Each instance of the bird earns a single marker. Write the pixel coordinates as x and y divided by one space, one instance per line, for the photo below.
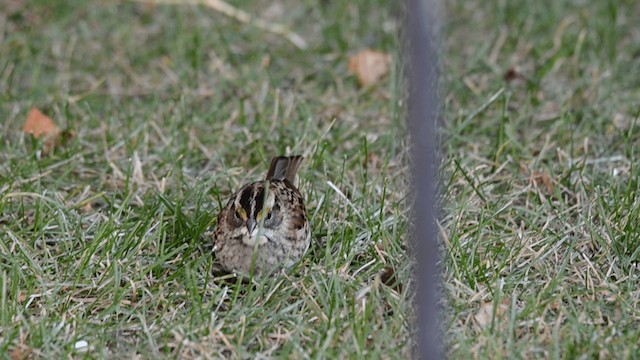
263 227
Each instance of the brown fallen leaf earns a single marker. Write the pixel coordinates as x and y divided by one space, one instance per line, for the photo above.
19 354
41 126
87 208
511 74
485 314
538 178
371 160
543 178
370 66
16 354
388 277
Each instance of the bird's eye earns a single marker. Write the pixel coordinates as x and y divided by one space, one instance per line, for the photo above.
271 215
239 214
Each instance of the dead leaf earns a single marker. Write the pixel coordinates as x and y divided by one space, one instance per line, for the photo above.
371 159
87 208
388 277
370 66
546 180
485 314
543 178
66 136
42 126
511 74
18 354
538 178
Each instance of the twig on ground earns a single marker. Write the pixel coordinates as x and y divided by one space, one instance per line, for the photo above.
242 16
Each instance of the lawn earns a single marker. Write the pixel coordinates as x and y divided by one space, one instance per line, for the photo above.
105 243
105 247
540 185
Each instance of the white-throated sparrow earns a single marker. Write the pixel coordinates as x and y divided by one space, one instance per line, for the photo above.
264 224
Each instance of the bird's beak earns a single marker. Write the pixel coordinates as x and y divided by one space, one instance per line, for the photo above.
251 224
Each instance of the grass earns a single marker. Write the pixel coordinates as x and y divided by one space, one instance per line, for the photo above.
106 241
105 244
540 181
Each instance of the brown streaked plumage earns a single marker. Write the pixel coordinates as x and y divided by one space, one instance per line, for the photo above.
264 223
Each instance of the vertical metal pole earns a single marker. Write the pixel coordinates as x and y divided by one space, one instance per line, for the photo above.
423 109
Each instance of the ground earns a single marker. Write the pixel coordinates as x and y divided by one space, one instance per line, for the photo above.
105 244
539 179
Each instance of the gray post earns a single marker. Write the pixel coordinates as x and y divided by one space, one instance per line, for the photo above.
423 108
